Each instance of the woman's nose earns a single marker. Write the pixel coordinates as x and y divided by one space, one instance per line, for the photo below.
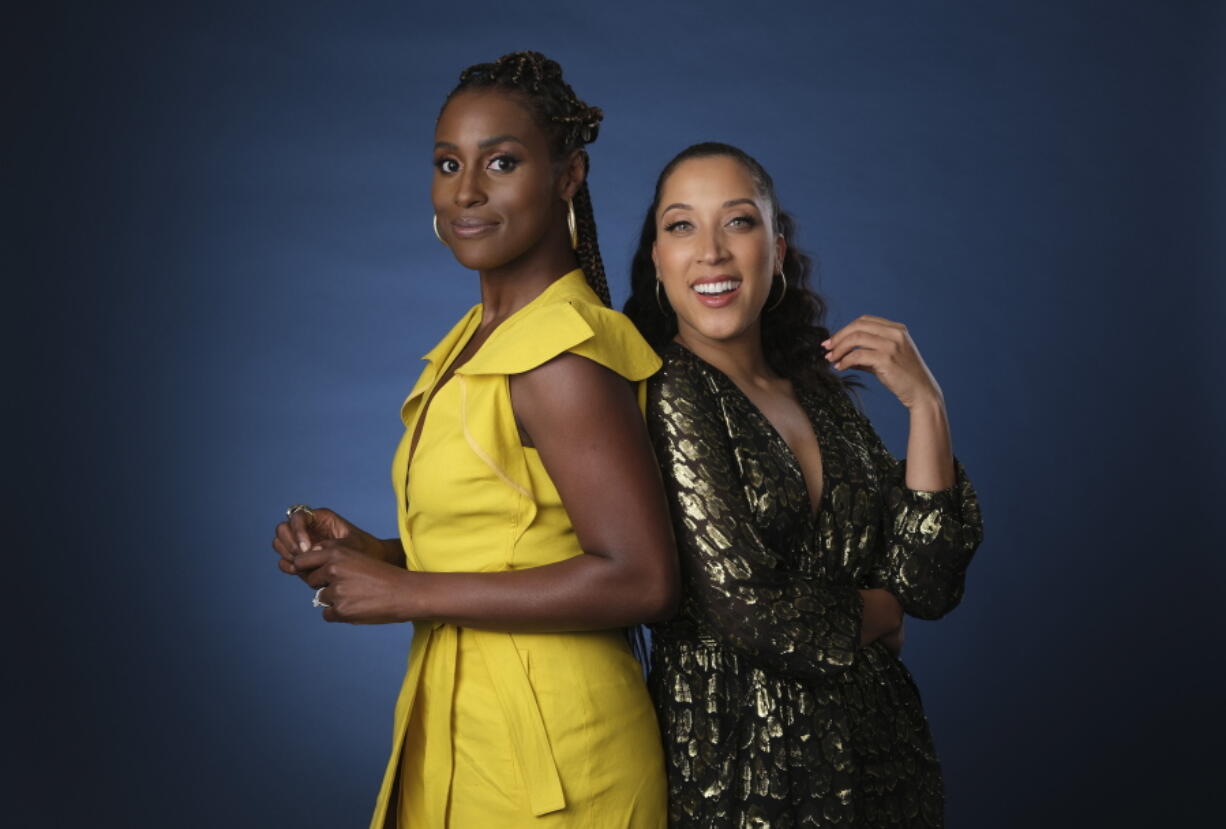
712 250
469 191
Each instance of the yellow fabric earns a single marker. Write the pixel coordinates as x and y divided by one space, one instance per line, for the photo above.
498 729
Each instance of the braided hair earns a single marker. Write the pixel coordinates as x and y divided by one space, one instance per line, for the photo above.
570 124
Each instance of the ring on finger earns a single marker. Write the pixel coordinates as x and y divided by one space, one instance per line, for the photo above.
289 513
317 602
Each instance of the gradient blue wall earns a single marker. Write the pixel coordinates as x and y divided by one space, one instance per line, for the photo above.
221 276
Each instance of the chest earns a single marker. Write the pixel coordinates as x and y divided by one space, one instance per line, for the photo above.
442 382
839 531
784 415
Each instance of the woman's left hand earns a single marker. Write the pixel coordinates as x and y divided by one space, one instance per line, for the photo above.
359 589
885 349
894 641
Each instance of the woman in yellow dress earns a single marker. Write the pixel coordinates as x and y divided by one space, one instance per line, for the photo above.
533 523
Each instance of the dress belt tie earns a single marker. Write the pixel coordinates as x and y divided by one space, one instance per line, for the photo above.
443 645
522 714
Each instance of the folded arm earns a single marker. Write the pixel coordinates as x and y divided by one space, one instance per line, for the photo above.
584 421
740 589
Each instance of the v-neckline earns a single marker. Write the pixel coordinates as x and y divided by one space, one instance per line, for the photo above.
447 374
811 514
477 311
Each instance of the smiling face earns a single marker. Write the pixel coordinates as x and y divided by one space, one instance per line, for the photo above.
716 251
498 195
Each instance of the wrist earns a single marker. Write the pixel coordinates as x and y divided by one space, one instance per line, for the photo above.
410 595
386 550
930 402
390 551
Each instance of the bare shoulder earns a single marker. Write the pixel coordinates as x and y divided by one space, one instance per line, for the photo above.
571 395
566 380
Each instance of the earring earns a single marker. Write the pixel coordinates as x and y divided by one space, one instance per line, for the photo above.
436 233
782 293
571 224
658 302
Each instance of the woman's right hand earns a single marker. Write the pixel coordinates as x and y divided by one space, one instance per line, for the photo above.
304 530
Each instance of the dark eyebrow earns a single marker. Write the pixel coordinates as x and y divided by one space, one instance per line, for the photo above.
729 203
481 145
498 139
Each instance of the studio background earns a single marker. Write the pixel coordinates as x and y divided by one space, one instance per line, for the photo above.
221 275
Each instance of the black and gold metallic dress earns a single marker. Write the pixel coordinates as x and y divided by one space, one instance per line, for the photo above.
773 716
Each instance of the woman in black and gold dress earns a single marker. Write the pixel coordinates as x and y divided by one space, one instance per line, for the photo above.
803 542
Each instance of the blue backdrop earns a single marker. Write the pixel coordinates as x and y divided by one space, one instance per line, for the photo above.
221 275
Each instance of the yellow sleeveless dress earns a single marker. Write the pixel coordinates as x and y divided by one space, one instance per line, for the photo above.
499 730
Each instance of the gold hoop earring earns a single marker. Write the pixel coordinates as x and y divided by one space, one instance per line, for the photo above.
572 224
782 293
437 235
658 302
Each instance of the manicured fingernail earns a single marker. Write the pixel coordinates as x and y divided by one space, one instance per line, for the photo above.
838 365
304 546
826 343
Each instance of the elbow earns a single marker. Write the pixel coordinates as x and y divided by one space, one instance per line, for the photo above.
658 596
661 601
934 605
658 592
931 581
928 613
669 604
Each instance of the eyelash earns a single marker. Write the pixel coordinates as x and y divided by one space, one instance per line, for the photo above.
512 160
748 220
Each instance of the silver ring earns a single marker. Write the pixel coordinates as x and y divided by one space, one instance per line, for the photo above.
289 513
315 602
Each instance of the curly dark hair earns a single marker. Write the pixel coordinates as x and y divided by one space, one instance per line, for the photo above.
792 325
570 124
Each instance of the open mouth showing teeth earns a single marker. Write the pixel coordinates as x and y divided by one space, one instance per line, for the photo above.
717 288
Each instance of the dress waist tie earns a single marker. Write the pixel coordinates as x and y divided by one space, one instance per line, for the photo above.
524 722
520 711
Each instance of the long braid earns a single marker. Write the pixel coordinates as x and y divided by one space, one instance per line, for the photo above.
589 247
570 123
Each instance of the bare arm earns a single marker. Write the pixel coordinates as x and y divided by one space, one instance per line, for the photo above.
886 349
737 586
933 525
586 425
930 456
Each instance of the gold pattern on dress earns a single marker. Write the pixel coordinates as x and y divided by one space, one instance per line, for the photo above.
773 715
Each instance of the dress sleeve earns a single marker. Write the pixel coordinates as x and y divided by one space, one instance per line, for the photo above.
735 585
600 334
930 536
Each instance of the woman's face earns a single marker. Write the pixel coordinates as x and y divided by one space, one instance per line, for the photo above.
715 251
496 191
